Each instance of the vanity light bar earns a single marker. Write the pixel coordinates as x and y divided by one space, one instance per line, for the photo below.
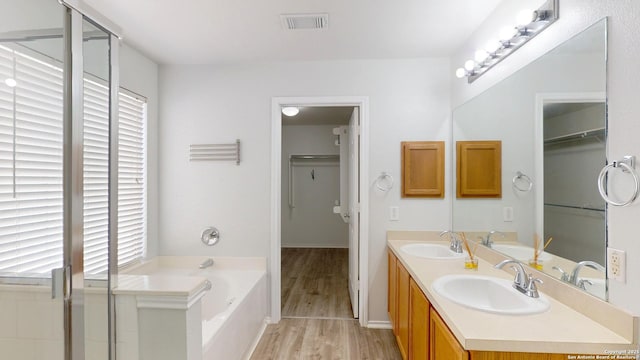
529 25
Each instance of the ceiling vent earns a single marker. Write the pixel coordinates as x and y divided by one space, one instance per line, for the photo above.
305 21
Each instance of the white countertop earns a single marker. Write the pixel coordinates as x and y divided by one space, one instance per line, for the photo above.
159 285
558 330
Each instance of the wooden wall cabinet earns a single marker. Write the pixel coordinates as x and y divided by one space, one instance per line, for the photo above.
479 169
423 169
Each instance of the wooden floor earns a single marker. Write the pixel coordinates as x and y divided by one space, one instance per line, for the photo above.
294 339
315 283
317 320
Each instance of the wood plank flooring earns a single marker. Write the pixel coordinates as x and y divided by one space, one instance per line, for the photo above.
325 339
315 283
317 321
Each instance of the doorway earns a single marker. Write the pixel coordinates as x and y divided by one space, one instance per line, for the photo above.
315 225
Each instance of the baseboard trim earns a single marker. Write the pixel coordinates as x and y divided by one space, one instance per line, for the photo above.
379 325
256 341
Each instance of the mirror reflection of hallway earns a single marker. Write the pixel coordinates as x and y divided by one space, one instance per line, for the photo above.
315 214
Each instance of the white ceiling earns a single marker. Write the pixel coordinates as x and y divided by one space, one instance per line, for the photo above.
222 31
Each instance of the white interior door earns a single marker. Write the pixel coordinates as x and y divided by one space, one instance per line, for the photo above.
354 210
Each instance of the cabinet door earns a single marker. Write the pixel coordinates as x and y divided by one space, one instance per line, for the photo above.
423 169
443 345
479 169
418 323
403 310
392 293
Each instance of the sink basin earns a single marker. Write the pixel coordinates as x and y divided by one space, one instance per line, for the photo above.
520 253
489 294
431 251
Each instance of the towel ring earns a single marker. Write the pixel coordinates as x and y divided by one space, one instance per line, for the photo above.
384 182
627 165
523 178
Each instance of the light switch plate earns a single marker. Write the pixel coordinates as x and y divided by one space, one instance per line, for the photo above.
394 213
616 265
507 214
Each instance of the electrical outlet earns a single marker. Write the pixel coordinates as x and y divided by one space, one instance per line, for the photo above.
616 264
394 213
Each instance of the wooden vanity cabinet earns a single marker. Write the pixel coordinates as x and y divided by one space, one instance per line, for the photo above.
392 292
398 303
442 344
418 323
403 309
421 333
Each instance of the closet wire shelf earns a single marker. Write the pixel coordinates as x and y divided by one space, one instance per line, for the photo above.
215 152
598 133
294 158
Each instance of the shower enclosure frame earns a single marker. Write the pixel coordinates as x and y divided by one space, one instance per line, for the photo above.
73 118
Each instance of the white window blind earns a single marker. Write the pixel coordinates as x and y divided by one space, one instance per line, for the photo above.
31 170
30 165
131 179
96 177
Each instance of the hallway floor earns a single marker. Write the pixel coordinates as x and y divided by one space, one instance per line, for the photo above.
317 320
315 283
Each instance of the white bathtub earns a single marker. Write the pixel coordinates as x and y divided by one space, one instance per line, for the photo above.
233 312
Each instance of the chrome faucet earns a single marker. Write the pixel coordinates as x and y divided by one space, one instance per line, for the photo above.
455 244
487 241
207 263
522 282
573 278
564 275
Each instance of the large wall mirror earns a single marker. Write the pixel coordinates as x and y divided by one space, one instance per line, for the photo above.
550 118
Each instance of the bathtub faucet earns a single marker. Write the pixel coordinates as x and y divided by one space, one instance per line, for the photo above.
207 263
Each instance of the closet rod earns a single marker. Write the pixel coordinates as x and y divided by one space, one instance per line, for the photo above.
304 157
575 136
575 207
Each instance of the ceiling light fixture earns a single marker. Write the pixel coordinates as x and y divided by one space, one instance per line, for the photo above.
290 111
528 25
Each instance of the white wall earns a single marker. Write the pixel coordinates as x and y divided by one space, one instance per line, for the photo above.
311 223
623 104
409 100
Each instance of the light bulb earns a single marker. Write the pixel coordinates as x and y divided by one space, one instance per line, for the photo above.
481 55
460 73
470 65
11 82
290 110
492 46
524 17
506 33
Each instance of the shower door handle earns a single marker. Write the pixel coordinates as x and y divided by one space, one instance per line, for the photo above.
59 282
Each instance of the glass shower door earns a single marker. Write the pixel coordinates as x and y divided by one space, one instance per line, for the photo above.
55 183
95 145
31 178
